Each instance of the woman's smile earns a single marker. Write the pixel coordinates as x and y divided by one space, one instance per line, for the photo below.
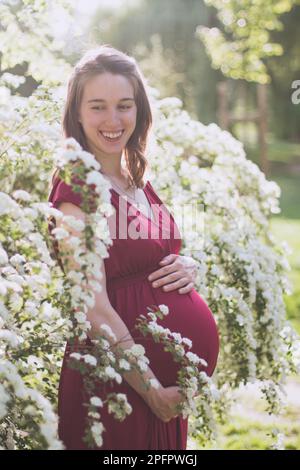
111 137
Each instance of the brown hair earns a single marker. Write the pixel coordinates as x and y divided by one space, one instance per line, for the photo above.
99 60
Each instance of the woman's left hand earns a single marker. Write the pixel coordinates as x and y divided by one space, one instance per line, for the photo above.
178 272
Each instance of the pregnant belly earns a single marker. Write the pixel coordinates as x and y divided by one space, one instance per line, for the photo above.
188 315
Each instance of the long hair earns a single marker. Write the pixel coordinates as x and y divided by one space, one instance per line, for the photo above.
99 60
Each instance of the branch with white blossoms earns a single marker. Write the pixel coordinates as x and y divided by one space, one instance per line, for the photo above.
33 412
242 271
191 379
100 362
30 328
94 359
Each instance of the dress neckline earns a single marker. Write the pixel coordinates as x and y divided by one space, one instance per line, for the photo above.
152 220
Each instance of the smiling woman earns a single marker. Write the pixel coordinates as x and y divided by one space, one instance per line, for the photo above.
108 112
111 118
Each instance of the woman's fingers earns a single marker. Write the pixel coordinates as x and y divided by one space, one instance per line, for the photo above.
179 274
187 288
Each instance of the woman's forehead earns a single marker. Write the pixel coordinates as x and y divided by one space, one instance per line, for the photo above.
104 86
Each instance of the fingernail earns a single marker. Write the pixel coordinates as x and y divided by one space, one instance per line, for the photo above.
154 284
150 278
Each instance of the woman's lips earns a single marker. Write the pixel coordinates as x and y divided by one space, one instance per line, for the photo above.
112 140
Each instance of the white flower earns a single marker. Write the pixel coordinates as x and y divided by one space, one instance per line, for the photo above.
96 401
124 364
142 365
94 177
154 383
164 309
177 337
107 329
11 338
74 223
76 356
17 259
94 414
4 398
97 430
89 160
3 256
80 317
112 374
7 204
240 320
203 362
60 233
193 357
188 342
21 194
75 276
155 328
215 270
71 143
137 350
88 359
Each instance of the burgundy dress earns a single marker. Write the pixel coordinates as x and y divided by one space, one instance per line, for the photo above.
127 268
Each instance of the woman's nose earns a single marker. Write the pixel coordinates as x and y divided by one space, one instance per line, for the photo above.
112 117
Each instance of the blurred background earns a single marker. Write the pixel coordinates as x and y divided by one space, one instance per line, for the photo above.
245 87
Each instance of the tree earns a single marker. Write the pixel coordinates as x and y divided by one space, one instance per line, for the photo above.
241 48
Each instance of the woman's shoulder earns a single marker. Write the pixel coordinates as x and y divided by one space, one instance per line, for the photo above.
62 191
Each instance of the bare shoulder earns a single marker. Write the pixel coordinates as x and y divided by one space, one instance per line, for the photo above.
68 208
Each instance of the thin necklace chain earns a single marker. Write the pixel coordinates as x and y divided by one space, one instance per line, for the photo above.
132 198
123 190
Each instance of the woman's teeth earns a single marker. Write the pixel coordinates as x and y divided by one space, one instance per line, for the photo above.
111 136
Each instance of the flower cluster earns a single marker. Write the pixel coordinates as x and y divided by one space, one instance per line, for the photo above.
199 393
242 270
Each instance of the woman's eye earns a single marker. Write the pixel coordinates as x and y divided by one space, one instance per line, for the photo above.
100 109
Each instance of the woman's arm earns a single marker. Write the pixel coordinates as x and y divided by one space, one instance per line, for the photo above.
162 401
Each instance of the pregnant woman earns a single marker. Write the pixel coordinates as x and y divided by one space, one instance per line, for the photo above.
107 111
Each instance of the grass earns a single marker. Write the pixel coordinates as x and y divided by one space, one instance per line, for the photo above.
288 230
278 151
250 427
289 200
286 226
252 434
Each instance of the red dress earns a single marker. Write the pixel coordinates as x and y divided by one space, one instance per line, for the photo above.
127 268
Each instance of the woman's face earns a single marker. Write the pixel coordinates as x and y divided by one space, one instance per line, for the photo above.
108 106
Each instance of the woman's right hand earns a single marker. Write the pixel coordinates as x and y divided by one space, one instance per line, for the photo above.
163 402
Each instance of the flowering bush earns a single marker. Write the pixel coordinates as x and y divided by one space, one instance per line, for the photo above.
241 270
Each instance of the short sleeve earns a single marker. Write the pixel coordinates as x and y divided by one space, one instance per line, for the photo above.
63 192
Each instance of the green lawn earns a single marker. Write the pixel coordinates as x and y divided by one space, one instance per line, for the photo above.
250 427
289 230
244 433
290 195
278 151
